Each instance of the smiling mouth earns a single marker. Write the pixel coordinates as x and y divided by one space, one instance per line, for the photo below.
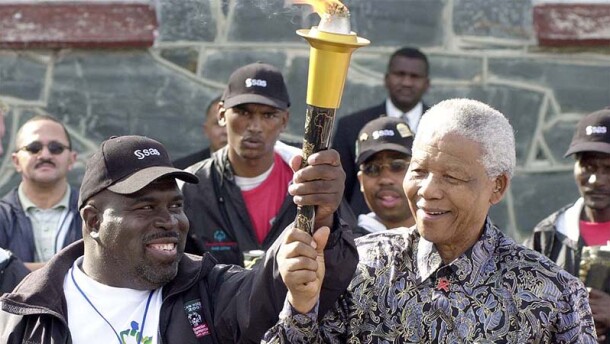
163 247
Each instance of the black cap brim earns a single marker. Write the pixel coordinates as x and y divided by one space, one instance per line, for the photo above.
600 147
365 155
139 180
256 99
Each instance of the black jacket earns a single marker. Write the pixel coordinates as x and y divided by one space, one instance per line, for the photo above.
550 238
16 234
344 142
12 271
219 219
238 305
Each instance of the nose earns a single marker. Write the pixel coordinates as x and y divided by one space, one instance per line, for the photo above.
254 123
385 176
407 80
166 219
429 188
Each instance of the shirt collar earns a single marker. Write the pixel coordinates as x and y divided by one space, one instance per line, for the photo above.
27 204
371 223
411 117
469 266
393 111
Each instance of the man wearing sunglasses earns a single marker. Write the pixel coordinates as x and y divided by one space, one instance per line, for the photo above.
40 217
383 152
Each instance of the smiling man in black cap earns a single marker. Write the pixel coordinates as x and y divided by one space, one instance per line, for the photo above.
242 203
128 280
563 234
383 152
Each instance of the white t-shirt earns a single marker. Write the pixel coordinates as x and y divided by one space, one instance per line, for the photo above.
123 308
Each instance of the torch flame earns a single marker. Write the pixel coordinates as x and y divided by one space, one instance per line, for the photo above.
322 7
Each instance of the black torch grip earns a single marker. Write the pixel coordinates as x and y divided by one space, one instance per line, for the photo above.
318 127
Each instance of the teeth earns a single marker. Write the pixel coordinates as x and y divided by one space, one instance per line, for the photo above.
436 213
164 247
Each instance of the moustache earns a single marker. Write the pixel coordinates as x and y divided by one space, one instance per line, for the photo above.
161 235
44 161
390 188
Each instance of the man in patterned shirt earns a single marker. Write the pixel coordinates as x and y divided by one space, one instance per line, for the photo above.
454 277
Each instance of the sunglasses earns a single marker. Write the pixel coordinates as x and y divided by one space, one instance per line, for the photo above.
35 147
395 166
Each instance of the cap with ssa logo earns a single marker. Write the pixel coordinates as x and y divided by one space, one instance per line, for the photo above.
258 83
592 134
127 164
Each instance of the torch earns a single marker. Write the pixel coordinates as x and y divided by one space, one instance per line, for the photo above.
332 43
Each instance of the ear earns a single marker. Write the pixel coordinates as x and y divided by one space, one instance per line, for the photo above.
359 175
285 117
500 186
15 160
73 156
91 219
222 120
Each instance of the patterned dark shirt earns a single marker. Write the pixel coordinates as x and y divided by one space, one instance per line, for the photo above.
496 292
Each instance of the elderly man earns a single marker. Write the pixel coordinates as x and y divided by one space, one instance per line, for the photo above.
563 234
383 153
454 277
129 281
39 217
242 203
406 81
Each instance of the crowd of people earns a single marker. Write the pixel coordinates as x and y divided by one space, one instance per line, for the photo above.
204 249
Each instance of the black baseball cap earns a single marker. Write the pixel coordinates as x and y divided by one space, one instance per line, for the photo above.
383 133
592 134
258 83
127 164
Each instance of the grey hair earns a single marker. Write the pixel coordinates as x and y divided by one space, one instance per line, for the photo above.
478 122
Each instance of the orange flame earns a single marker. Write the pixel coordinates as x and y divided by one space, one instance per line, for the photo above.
322 6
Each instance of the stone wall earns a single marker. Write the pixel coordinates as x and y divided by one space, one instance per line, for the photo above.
482 49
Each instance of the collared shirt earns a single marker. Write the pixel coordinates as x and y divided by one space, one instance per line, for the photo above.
412 117
402 292
371 223
47 224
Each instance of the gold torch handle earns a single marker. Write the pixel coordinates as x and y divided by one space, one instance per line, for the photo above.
318 128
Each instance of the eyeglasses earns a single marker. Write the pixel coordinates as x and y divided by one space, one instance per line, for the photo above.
35 147
395 166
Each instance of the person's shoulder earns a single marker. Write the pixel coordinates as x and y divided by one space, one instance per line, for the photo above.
548 223
381 244
9 203
518 262
365 114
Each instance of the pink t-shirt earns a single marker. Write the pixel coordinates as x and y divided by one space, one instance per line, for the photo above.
264 201
595 233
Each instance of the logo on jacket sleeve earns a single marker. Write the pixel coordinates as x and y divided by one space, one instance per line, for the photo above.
194 314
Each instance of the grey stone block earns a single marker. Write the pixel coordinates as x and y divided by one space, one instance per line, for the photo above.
219 64
493 18
398 22
455 67
537 195
265 21
21 77
186 20
106 94
575 85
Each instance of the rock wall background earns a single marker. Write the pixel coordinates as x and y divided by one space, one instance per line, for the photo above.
481 49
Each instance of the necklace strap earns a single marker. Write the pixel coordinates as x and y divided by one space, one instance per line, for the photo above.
104 318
